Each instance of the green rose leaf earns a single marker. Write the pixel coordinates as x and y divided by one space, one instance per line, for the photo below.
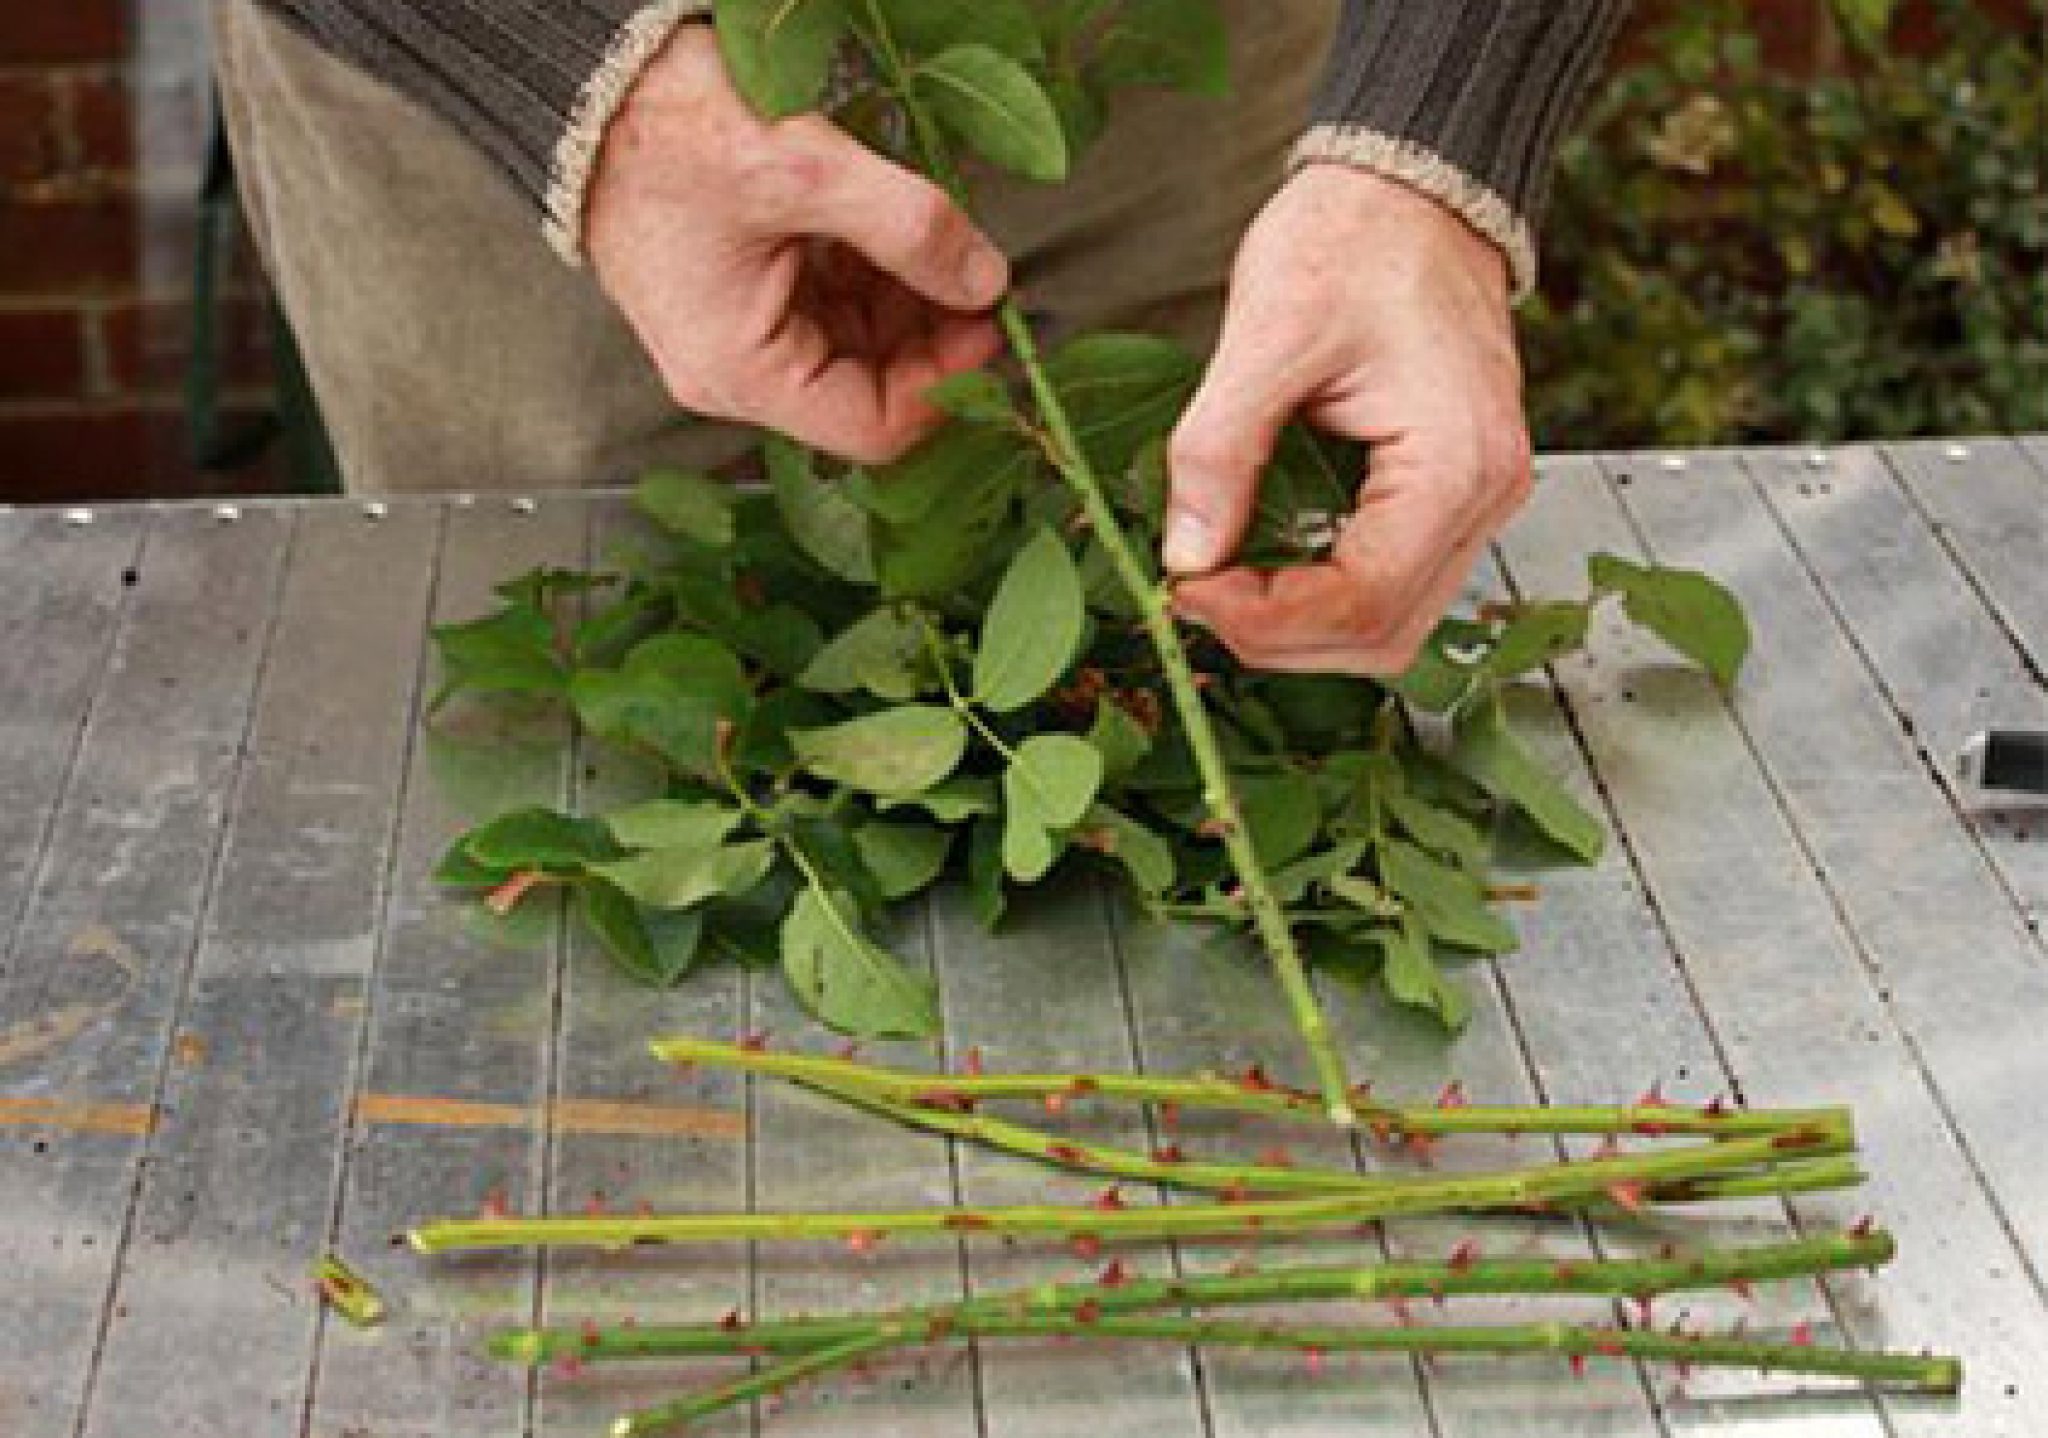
1687 610
1412 977
1487 752
823 518
539 840
511 652
1033 627
1451 903
904 858
651 948
686 877
1449 669
1438 830
845 980
1536 635
976 395
1048 788
898 752
673 824
1122 391
958 799
991 103
654 710
925 27
1168 43
882 654
948 548
779 53
1118 738
1144 855
1282 813
691 505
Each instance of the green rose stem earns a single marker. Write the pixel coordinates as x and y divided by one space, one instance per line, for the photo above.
1249 1094
1627 1179
1388 1282
769 1381
1068 457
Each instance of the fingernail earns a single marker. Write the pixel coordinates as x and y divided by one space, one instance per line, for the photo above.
1190 546
987 275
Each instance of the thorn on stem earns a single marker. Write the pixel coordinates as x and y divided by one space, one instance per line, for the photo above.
863 1241
1086 1246
1453 1096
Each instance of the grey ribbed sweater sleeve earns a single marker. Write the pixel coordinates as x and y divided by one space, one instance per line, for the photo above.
531 83
1467 100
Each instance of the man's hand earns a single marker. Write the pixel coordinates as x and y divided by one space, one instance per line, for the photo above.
1373 312
780 273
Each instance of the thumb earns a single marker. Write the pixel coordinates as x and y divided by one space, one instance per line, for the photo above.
1220 450
906 225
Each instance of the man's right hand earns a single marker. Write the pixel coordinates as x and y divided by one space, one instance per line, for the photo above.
780 273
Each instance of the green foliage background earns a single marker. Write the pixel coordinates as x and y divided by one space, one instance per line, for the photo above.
1737 253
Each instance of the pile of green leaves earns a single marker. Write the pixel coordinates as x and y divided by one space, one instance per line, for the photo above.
857 683
1739 253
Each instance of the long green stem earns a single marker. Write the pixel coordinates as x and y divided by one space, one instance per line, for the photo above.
1071 460
1630 1178
1246 1095
671 1417
1621 1278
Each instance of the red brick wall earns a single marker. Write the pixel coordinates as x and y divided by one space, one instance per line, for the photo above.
91 357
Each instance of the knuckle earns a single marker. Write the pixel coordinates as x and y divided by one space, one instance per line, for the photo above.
776 181
931 224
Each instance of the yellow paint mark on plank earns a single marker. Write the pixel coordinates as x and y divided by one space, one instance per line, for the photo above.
583 1116
135 1119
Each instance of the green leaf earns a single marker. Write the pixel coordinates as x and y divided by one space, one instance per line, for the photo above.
822 517
986 893
990 103
1172 43
1487 751
1118 738
904 858
1047 789
1412 977
958 799
949 548
976 396
882 654
1144 855
511 652
1438 830
1450 668
1692 613
656 949
926 27
898 752
652 710
1122 391
1451 903
1032 628
941 468
1293 882
1282 813
699 663
779 52
541 840
673 824
1536 635
686 877
688 504
845 980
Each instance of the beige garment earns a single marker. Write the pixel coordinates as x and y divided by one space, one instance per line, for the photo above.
451 350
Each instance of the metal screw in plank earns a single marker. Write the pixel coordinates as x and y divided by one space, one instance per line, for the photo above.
1674 464
227 513
376 509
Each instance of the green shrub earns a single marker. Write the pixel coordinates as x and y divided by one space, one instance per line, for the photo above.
1738 254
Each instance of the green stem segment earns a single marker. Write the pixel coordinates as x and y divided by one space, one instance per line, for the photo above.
671 1417
1381 1283
1628 1179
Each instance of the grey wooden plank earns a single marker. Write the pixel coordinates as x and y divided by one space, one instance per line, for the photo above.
1784 985
456 1018
213 1323
1944 659
600 1054
1991 511
1046 996
91 984
64 597
811 1154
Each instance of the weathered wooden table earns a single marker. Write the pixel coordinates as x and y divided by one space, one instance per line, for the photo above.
238 1027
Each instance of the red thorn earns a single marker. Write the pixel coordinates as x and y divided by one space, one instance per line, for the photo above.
1110 1200
1087 1311
1169 1153
1055 1104
592 1335
732 1322
494 1205
505 898
1608 1147
968 1222
944 1100
1087 1247
1234 1192
1653 1097
1578 1363
1802 1335
569 1367
849 1051
1564 1272
1608 1346
970 1062
863 1240
1313 1359
1464 1255
1169 1116
1645 1306
1422 1146
1741 1288
1116 1275
1276 1157
1382 1131
1254 1080
593 1206
1068 1154
1402 1314
1862 1227
1716 1107
644 1209
1667 1251
1453 1096
1083 1085
754 1042
1628 1195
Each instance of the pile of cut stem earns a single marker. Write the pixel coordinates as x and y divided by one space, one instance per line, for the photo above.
1700 1154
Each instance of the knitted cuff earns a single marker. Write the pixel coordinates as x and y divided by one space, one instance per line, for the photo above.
1465 100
